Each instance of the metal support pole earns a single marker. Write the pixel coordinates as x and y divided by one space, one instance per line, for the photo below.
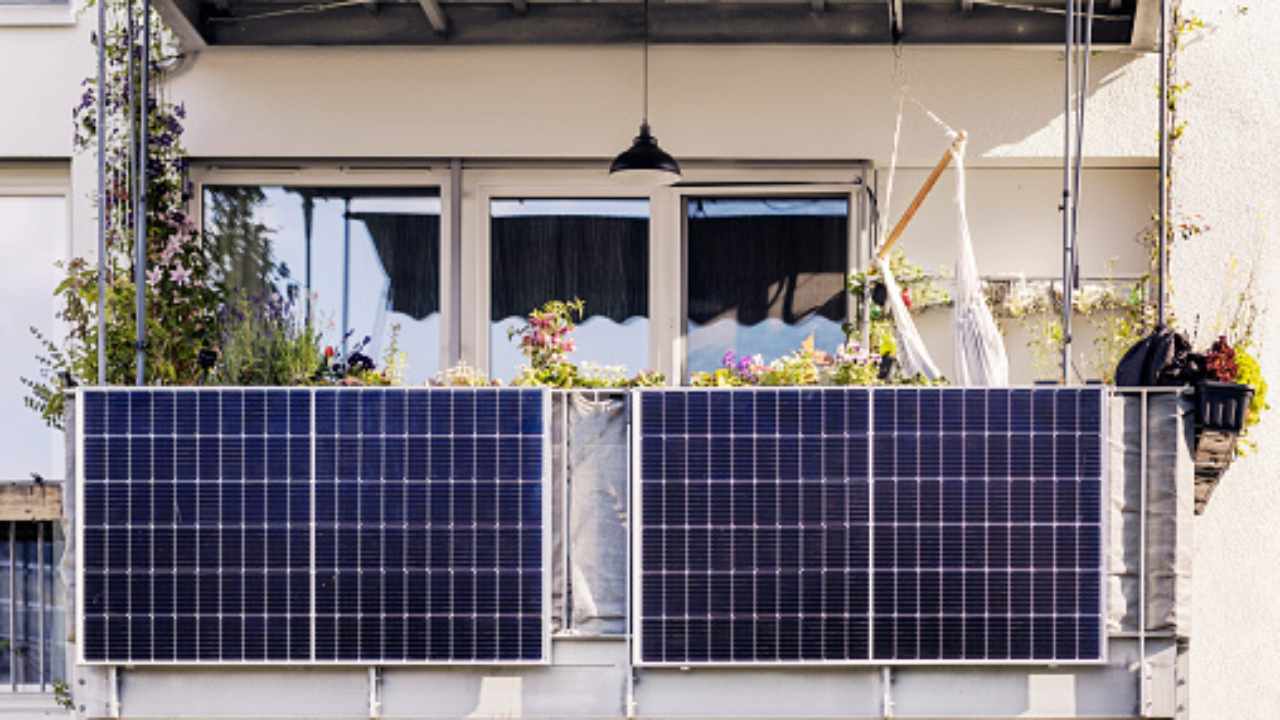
140 220
1162 239
40 600
346 276
13 606
102 194
308 213
1143 701
1067 227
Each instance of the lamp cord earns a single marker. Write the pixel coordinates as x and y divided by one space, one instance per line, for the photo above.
644 110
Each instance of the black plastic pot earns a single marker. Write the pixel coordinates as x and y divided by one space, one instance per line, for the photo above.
1222 406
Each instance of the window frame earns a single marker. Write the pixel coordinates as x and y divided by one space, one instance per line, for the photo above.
485 194
467 188
434 177
857 246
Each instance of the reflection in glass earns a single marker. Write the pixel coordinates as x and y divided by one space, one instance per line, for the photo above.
365 259
764 275
560 249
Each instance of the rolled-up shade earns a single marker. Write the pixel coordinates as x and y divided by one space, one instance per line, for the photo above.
601 259
408 246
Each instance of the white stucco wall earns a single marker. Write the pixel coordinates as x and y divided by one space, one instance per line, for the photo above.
809 103
1228 175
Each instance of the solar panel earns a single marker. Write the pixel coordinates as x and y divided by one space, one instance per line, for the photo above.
843 525
298 525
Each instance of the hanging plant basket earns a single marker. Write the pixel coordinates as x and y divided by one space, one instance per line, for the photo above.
1220 416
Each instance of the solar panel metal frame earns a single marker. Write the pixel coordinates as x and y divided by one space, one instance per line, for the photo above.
79 528
636 552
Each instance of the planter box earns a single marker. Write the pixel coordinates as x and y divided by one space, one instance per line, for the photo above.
1220 415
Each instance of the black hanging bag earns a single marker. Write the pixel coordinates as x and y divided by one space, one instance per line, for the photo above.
1162 358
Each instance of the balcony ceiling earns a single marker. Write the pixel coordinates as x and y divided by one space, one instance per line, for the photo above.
201 23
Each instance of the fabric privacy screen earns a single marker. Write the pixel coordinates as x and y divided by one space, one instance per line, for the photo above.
293 525
896 525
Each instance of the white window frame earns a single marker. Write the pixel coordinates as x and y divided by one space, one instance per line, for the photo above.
467 190
434 176
858 238
667 244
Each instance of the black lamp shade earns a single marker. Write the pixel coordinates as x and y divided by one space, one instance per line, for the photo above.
645 162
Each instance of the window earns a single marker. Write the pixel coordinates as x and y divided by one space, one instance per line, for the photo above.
363 260
34 229
560 249
32 647
764 274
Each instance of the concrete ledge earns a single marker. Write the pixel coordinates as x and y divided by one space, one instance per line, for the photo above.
26 501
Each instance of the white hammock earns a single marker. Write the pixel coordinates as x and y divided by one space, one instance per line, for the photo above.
980 358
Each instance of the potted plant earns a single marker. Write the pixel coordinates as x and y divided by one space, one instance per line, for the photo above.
1229 400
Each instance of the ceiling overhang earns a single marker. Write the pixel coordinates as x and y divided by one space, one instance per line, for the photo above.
199 23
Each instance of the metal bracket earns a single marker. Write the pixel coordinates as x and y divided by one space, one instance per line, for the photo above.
114 691
886 692
375 692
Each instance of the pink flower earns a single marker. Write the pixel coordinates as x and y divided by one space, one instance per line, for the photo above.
154 276
170 250
181 275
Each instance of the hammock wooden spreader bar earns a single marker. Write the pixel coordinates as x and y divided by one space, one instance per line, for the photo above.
921 194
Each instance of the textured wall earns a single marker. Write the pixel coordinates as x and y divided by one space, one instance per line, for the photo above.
1227 174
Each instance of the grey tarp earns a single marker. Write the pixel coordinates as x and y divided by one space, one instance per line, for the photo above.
590 458
1170 504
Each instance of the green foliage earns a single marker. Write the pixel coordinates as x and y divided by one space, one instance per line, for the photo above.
1249 372
62 695
266 344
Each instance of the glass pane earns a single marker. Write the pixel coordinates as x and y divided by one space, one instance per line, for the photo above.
593 249
374 259
764 275
36 230
26 636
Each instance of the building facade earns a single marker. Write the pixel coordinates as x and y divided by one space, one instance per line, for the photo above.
488 140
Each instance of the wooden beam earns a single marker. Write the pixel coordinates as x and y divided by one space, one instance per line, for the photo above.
27 501
435 15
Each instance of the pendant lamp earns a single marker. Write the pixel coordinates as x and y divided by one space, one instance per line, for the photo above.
644 163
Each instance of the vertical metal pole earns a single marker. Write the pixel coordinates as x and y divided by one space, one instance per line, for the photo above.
1142 560
140 220
40 601
1067 249
1161 241
308 211
346 275
102 193
1082 94
13 606
452 313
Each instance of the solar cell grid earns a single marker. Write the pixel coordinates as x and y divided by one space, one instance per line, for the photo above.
275 525
854 525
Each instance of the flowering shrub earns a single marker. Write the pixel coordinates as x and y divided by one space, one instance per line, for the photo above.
1220 361
462 375
182 294
546 340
